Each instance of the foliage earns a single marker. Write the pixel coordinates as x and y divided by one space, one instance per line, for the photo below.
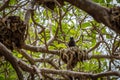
61 24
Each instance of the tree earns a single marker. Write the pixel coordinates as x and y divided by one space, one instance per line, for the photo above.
34 36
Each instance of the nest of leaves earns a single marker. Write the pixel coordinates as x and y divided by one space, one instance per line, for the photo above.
115 17
12 32
72 55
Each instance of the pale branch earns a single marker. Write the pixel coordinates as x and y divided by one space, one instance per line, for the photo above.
67 10
25 67
29 11
52 37
79 74
97 44
38 72
9 57
33 60
61 41
109 73
41 26
31 69
67 72
99 13
39 49
57 52
104 56
47 61
27 16
51 63
101 37
27 56
50 40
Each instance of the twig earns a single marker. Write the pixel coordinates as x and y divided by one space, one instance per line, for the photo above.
4 5
94 47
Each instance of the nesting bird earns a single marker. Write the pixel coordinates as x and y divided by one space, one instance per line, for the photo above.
71 42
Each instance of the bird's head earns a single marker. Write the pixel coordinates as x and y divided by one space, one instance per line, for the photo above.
71 38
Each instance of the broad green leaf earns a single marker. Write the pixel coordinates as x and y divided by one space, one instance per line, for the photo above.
86 24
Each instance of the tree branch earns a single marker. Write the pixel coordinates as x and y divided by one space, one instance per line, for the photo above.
40 49
4 5
105 57
79 74
67 72
99 13
8 56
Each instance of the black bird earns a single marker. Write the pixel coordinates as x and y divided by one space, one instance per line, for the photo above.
71 42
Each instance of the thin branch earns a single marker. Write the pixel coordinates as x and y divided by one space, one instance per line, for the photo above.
29 11
96 46
104 56
33 60
25 67
40 49
78 74
16 7
48 61
70 73
56 52
32 17
38 72
5 5
27 56
109 73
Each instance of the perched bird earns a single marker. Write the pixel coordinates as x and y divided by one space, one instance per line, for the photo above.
71 42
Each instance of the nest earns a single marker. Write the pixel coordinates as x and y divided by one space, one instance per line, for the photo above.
115 17
73 55
51 4
12 32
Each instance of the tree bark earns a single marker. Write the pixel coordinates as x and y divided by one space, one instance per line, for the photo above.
99 13
8 56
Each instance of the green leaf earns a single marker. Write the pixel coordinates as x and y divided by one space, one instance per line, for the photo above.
108 36
108 1
12 2
2 78
99 1
85 25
